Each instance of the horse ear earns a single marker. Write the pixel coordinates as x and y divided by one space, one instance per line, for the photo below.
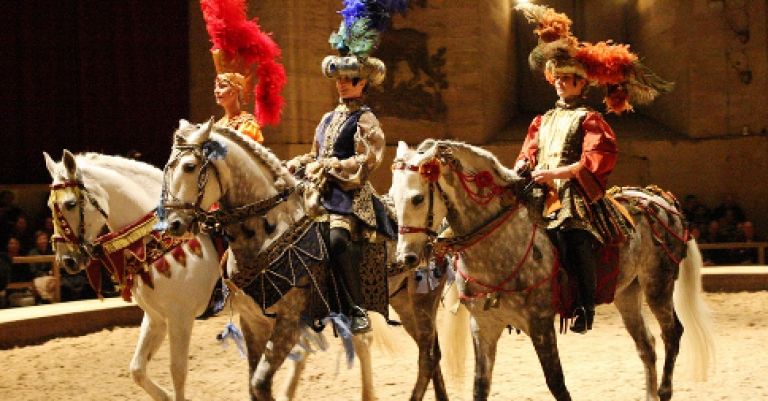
402 147
206 131
50 164
69 162
183 124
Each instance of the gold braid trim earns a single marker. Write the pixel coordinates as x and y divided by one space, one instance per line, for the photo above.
129 237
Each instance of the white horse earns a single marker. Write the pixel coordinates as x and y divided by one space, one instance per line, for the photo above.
261 205
91 191
507 263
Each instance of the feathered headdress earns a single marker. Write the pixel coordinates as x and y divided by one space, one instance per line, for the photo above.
605 64
358 36
240 47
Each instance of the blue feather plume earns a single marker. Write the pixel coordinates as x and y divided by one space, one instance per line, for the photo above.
363 22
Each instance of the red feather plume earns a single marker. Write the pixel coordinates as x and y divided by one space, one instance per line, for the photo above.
237 37
606 63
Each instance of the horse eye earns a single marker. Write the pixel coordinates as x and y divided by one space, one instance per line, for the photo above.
70 204
417 199
189 167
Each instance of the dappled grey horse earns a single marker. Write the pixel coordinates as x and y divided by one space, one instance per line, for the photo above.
260 207
507 265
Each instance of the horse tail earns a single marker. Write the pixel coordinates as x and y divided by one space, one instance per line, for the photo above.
382 334
454 335
694 313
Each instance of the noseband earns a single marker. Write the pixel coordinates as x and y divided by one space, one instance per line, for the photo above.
63 231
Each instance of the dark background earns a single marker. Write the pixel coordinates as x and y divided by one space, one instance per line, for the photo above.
90 75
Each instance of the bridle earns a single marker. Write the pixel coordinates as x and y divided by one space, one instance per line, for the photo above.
166 203
216 219
63 231
431 170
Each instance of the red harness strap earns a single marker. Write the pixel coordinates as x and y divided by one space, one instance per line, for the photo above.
499 288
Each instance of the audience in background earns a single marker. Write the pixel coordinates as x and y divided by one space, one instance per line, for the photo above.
5 274
42 247
725 223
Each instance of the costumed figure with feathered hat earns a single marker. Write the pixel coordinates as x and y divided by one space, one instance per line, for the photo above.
246 68
570 150
348 146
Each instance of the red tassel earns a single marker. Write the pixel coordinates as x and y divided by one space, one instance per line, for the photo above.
126 290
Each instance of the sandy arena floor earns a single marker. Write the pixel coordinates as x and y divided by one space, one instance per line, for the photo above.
600 366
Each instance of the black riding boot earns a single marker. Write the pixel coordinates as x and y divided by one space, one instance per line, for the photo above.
583 252
351 288
579 256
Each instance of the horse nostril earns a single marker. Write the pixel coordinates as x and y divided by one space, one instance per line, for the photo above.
69 263
411 260
175 226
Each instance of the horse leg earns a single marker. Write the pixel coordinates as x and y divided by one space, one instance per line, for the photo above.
671 331
150 338
545 343
437 375
256 334
284 336
485 336
628 304
179 332
417 313
298 365
362 349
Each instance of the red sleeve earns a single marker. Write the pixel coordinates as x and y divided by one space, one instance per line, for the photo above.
598 156
531 143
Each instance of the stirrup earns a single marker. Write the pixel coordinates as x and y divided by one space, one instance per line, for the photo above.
359 321
584 320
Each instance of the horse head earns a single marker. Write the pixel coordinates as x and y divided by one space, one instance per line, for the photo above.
449 180
211 164
419 208
79 212
192 180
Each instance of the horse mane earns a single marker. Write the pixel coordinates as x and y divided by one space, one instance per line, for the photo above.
505 173
138 170
272 162
117 162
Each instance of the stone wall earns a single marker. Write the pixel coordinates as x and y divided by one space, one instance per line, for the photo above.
474 84
716 52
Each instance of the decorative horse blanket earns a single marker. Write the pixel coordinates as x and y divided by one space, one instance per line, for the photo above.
300 259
